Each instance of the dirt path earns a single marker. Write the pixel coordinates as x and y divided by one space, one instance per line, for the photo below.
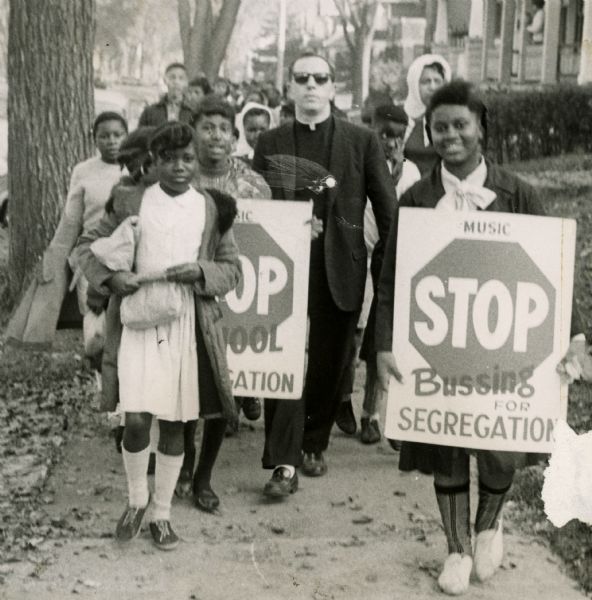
365 531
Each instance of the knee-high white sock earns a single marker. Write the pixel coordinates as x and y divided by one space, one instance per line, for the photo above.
165 479
136 465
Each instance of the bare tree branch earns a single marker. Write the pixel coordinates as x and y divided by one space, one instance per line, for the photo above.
363 16
343 18
346 10
184 11
372 20
199 39
222 32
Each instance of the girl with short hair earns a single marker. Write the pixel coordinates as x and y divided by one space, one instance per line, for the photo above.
172 359
35 320
457 127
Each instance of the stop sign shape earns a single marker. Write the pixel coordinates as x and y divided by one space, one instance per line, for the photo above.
494 309
263 299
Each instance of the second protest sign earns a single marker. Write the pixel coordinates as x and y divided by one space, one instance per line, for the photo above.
265 316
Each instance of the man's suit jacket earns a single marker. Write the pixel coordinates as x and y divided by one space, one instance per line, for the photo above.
155 115
359 166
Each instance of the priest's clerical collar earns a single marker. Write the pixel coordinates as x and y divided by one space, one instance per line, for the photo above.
313 126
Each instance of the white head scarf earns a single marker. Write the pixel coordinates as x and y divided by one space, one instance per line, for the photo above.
242 146
414 107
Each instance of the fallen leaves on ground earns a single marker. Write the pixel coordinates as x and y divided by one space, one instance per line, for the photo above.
44 396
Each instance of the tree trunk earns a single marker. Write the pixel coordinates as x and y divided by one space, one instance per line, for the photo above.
357 76
359 42
222 34
366 59
206 39
184 11
431 9
195 37
50 110
366 49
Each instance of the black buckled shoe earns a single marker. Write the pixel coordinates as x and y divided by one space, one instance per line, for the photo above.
370 431
281 484
314 464
345 418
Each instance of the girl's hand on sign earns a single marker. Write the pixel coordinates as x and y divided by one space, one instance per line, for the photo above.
577 362
316 227
185 273
386 366
123 283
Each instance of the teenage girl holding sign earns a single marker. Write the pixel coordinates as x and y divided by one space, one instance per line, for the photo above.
462 180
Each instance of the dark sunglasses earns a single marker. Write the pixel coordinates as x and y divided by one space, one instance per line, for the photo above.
320 78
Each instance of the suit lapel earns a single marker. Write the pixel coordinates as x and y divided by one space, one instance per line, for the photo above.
338 147
285 144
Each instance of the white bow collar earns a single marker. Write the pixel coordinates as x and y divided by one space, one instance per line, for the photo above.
468 193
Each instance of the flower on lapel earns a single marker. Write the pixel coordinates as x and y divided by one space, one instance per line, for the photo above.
295 173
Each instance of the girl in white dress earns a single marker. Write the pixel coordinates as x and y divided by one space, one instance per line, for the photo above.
158 361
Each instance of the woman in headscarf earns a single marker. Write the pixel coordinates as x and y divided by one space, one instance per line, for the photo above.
426 74
253 119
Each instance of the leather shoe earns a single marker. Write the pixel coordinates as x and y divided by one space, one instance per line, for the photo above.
395 445
281 484
252 408
314 464
205 499
231 428
370 431
345 419
183 487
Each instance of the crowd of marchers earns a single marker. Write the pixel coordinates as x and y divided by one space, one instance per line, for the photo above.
147 232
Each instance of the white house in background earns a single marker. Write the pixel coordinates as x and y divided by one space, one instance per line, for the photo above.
484 40
498 46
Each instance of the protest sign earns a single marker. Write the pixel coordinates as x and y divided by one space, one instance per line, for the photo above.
481 319
265 316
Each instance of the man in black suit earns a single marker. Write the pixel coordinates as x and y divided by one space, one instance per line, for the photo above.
338 261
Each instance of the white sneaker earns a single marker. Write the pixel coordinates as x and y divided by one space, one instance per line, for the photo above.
454 579
489 551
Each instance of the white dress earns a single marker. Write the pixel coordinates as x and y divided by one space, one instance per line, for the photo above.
157 366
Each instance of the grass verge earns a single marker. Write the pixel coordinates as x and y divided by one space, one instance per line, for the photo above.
565 185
